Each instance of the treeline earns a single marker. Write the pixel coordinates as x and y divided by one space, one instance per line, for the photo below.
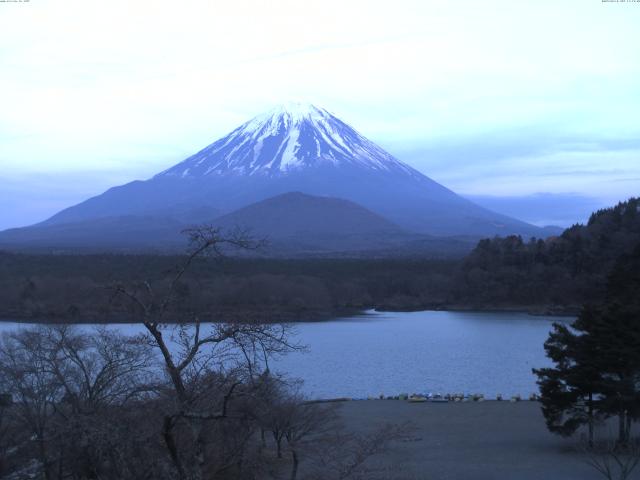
561 272
556 275
79 287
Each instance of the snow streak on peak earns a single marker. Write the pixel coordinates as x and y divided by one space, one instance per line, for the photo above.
287 139
296 112
287 115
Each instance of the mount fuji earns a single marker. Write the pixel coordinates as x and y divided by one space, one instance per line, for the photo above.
292 148
286 140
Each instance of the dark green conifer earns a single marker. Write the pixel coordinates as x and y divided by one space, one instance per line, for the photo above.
597 360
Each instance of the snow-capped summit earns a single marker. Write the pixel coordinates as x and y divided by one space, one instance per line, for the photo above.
295 148
295 112
285 139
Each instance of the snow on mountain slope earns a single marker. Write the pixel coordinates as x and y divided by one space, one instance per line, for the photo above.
288 138
303 148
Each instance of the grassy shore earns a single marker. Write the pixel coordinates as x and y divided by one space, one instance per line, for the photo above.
472 440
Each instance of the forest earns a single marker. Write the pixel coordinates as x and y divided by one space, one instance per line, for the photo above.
555 275
560 272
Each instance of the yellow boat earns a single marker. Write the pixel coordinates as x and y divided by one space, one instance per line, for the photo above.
417 399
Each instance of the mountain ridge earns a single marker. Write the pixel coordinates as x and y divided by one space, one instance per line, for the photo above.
293 224
305 149
287 137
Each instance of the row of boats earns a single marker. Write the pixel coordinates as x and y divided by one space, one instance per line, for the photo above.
449 397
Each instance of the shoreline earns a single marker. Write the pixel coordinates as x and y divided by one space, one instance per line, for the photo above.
533 310
306 316
467 399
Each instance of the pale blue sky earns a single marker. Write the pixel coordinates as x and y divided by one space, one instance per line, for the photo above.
494 97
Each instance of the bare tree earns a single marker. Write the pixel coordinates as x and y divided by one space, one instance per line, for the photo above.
316 440
340 455
25 375
98 369
208 365
68 389
96 406
613 460
6 402
307 423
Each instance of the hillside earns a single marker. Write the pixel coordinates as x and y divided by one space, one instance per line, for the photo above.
120 233
296 223
297 214
564 271
292 224
294 148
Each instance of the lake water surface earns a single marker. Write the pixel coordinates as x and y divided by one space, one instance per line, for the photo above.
395 352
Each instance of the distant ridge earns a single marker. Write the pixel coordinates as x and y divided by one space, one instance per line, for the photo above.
569 270
291 224
296 213
292 148
299 221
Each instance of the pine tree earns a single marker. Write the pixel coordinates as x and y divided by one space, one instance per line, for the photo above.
569 390
597 360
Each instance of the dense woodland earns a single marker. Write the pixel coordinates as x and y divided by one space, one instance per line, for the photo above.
555 275
560 272
77 287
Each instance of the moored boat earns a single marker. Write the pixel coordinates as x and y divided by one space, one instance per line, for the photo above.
417 399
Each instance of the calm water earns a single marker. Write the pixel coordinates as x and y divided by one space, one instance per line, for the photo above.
395 352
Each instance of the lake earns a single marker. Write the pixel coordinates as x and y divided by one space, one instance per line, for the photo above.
395 352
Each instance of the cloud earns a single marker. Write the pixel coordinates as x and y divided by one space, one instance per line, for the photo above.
528 160
543 208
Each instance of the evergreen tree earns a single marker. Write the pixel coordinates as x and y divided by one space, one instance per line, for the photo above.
569 390
597 360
